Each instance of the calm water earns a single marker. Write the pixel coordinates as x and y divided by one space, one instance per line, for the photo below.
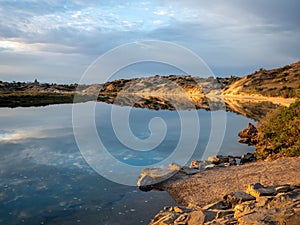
45 180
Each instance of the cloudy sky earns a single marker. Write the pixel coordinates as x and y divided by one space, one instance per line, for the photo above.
56 40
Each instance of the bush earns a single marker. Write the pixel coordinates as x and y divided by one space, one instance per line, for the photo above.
279 133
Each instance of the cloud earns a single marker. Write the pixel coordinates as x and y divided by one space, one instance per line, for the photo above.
227 34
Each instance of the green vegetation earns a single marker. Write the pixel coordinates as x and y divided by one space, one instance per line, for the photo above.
279 133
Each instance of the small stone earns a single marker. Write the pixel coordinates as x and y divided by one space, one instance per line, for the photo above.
211 166
283 188
177 209
174 166
217 205
235 198
195 164
196 218
189 171
168 208
244 209
218 159
263 201
223 213
182 219
213 159
164 218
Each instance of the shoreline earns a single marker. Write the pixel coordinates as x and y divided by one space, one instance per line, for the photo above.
197 191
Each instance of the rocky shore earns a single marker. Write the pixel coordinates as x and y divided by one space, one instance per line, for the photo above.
257 204
228 190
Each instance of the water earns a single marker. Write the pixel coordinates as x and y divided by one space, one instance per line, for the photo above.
45 180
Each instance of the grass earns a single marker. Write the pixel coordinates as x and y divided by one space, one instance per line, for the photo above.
279 133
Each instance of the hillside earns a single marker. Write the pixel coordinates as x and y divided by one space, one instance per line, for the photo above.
280 82
172 84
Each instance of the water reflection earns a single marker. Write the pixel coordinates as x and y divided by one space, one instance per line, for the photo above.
45 180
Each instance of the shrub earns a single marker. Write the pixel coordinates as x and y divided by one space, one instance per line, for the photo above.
279 133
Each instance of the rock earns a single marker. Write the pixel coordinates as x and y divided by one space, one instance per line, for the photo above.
195 164
174 166
242 208
164 218
218 159
153 176
221 205
182 219
223 213
248 135
211 166
258 190
235 198
249 157
263 200
177 209
213 159
200 165
283 188
189 171
196 218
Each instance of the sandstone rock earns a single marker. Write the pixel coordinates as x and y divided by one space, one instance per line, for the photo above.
200 165
221 205
218 159
177 209
235 198
263 200
195 164
258 190
223 213
281 208
196 218
213 159
151 176
174 166
182 219
244 209
248 135
164 218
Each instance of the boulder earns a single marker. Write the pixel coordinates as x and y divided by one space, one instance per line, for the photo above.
235 198
258 190
248 135
249 157
218 159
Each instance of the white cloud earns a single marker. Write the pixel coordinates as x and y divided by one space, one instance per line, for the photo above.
44 40
161 12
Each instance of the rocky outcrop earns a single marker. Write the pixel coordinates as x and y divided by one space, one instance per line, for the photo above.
257 204
248 135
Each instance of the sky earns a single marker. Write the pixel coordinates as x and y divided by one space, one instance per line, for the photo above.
57 40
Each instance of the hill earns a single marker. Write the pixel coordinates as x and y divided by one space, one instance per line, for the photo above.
280 82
